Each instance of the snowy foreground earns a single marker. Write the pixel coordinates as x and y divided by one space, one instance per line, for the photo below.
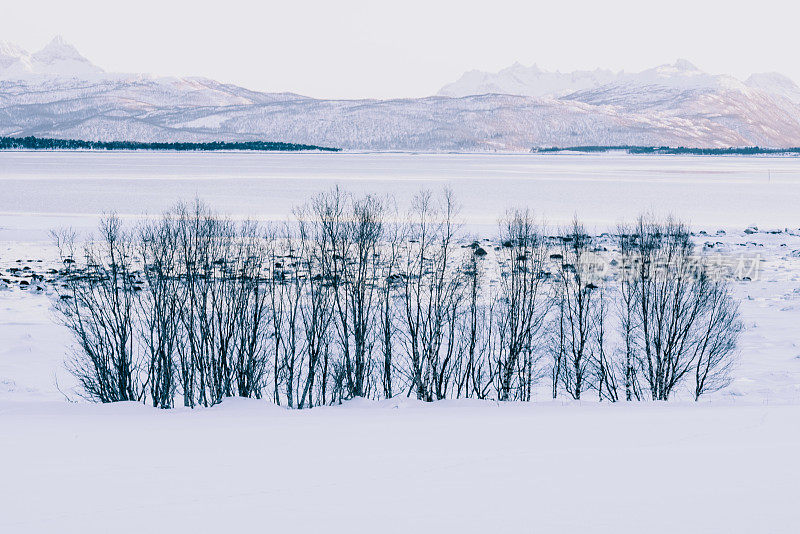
399 466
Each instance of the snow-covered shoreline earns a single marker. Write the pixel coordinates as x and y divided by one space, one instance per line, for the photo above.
33 347
720 197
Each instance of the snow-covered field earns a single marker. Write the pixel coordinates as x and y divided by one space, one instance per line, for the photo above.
728 464
400 467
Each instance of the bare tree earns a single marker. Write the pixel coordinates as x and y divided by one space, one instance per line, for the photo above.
353 228
606 370
522 306
685 320
253 333
627 311
321 281
224 302
210 306
389 279
97 304
580 313
716 339
365 232
286 291
194 235
431 295
160 305
473 373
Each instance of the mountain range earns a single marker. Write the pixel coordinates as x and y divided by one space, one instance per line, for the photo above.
57 92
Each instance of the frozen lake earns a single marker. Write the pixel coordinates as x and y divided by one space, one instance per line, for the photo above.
41 190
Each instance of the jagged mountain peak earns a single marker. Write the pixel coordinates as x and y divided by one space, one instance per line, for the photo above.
524 80
534 81
10 49
58 40
58 49
680 70
58 59
10 53
684 65
517 66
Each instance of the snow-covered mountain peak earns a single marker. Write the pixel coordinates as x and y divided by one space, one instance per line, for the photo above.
59 50
9 53
682 75
682 68
11 50
527 81
58 59
519 67
684 65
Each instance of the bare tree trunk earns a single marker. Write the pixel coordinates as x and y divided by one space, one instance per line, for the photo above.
523 304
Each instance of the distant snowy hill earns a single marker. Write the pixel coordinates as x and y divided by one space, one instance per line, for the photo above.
56 92
533 81
526 81
776 84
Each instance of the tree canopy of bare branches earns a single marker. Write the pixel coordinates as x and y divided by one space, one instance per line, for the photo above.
349 299
680 318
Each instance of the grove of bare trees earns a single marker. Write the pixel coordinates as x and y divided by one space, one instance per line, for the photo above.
353 298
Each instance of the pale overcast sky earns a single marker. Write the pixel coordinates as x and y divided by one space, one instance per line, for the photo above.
360 48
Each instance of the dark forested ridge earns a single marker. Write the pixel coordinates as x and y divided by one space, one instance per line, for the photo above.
40 143
731 151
